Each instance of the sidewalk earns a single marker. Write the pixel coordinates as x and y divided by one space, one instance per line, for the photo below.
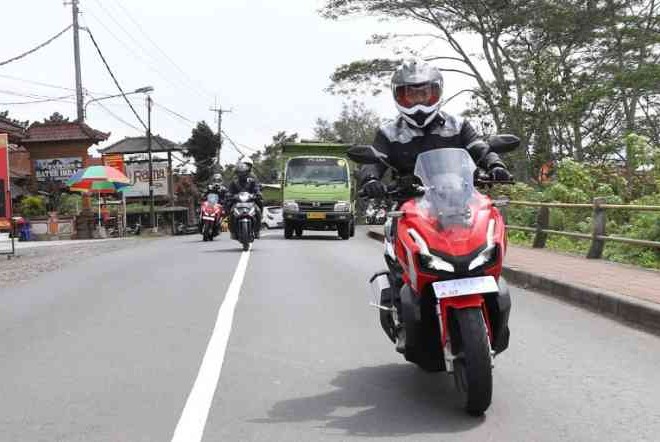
595 274
22 245
623 292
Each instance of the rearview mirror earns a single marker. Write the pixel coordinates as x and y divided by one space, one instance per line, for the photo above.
503 143
365 155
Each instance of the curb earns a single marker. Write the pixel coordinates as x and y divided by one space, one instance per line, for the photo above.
638 313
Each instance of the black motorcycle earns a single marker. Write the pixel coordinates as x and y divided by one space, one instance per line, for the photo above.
244 219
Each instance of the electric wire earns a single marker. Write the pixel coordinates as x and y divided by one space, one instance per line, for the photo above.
192 81
115 78
132 52
118 118
62 99
35 49
145 51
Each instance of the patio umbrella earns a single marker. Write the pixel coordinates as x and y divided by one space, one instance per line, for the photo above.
98 173
98 179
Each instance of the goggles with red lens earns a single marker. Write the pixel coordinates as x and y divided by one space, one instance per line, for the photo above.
427 94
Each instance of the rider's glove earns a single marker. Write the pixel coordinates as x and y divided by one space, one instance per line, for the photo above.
499 173
374 189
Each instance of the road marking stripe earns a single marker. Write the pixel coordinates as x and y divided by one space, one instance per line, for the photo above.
195 413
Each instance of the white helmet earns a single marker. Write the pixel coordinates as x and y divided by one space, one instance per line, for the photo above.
417 88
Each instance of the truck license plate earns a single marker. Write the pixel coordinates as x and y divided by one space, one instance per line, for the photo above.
466 286
316 215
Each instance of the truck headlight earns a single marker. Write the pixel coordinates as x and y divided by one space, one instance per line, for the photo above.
342 206
291 206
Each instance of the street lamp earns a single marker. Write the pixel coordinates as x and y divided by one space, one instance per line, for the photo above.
141 90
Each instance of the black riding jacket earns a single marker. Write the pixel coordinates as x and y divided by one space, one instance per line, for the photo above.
250 185
402 143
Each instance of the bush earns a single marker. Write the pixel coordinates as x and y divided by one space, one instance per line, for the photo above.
32 206
70 204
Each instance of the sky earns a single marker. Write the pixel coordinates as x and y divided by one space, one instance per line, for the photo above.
266 61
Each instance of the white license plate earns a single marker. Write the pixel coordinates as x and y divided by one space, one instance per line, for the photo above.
467 286
208 218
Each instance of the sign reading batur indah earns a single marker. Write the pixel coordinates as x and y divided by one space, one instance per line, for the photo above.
57 169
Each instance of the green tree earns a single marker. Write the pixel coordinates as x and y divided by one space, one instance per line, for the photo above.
561 74
267 162
356 125
202 147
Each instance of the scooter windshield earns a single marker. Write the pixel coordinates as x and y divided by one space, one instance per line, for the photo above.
448 177
212 198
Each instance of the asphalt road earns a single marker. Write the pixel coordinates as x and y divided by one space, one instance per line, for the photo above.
113 349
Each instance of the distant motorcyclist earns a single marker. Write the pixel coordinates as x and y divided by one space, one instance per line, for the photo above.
215 187
245 182
417 88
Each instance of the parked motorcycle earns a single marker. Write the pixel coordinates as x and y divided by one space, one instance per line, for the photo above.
210 217
244 219
444 248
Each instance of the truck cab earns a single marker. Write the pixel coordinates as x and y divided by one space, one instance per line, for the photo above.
317 189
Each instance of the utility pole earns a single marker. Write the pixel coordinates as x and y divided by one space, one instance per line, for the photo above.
152 214
76 56
219 111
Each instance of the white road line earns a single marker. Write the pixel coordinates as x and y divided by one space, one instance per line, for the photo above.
195 413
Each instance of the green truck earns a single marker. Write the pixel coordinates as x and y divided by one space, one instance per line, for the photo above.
317 189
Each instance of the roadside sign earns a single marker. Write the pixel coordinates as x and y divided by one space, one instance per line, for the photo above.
5 191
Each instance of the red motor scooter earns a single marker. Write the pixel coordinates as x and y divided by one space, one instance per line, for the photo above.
444 248
211 214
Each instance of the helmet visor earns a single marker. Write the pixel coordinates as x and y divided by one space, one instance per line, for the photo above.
408 96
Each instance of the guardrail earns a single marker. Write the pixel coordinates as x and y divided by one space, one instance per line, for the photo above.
598 236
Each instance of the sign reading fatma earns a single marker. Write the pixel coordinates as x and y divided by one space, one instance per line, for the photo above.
138 173
57 169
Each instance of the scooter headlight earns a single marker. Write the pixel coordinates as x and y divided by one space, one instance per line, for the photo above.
485 257
435 263
490 252
428 260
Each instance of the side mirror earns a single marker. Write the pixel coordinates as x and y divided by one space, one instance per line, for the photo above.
503 143
365 155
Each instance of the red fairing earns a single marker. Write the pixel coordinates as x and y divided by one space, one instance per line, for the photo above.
454 241
211 209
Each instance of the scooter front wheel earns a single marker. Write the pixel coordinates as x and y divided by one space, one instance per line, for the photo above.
473 370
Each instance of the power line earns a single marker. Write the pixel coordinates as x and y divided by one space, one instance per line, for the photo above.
38 83
141 29
115 79
176 114
145 51
118 118
132 51
47 42
243 145
44 100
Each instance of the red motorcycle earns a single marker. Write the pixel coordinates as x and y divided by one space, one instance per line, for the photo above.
210 217
444 248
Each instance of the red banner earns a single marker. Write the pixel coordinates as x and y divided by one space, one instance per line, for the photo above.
115 160
5 194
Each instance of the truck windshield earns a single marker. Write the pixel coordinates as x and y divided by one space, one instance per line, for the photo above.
317 171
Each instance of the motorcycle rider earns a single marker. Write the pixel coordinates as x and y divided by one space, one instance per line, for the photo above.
215 186
245 182
417 87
